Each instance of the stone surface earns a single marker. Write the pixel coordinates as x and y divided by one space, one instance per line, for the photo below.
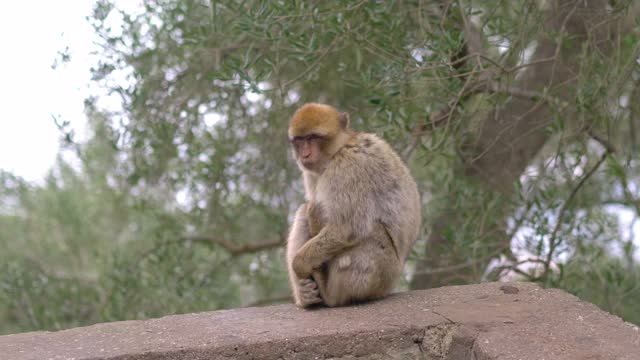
486 321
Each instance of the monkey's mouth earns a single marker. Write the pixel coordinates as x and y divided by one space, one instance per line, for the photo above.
309 163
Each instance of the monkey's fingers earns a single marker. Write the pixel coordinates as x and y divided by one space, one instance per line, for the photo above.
310 298
309 293
308 284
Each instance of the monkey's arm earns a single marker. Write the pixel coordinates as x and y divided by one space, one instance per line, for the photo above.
314 219
305 291
332 240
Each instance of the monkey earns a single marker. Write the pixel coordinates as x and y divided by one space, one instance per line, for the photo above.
349 241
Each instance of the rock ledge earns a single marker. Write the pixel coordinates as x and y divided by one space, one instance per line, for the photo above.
486 321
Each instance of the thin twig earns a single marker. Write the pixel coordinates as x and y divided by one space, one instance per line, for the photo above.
606 144
314 64
554 234
515 92
631 200
464 265
473 37
444 114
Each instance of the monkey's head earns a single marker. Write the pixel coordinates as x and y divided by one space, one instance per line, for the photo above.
316 133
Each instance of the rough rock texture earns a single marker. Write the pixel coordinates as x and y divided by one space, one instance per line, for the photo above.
487 321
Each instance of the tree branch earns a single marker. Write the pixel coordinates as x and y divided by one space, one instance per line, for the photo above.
609 147
441 115
553 244
470 263
234 249
313 65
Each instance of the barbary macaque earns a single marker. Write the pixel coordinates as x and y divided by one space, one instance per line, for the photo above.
349 241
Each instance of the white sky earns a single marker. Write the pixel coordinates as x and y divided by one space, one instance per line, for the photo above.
31 34
30 90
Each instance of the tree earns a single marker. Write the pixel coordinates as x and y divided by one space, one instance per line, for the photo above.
482 91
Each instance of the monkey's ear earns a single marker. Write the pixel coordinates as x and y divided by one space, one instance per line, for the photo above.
344 120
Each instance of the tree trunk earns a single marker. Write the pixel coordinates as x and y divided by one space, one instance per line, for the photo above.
509 138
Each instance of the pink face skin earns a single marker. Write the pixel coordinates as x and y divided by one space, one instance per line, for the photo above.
307 150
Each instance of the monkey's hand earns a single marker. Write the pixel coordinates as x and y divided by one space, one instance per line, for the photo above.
302 266
309 293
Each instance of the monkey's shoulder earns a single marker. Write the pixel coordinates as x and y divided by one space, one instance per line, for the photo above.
367 164
366 147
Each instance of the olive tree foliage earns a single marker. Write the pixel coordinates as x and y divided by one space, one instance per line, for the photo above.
518 119
80 249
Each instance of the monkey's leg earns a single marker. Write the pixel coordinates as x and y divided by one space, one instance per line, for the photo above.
365 272
305 291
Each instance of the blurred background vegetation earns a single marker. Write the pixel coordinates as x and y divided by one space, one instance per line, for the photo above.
519 120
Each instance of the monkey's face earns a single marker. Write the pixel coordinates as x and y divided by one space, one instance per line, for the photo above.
308 151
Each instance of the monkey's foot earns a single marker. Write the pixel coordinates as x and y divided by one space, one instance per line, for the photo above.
309 293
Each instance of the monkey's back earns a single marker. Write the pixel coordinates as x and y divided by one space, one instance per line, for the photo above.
365 183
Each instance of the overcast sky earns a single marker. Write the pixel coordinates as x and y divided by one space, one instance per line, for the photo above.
30 90
32 33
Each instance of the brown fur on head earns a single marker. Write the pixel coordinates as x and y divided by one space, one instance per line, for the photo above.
318 119
317 132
